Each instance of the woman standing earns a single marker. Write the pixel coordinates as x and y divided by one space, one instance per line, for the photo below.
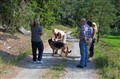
36 33
91 50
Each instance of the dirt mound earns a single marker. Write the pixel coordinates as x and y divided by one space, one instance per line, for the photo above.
10 47
13 44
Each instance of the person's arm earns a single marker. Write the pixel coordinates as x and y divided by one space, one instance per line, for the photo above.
40 31
83 33
94 33
55 35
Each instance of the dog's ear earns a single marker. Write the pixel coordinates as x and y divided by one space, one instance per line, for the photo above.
51 39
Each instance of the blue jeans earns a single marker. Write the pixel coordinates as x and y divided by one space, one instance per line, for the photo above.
83 52
40 47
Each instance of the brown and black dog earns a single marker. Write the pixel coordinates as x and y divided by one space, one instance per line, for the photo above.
56 45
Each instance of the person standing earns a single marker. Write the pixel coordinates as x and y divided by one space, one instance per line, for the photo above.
91 50
36 33
85 35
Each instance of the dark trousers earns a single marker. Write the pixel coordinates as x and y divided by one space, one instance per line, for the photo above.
40 47
91 50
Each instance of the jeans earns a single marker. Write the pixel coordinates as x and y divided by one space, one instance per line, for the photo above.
40 47
83 52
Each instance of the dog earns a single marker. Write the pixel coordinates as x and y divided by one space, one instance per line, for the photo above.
56 45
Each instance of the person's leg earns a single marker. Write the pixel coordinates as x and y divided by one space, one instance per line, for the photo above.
34 49
93 46
91 50
40 49
82 52
86 54
64 38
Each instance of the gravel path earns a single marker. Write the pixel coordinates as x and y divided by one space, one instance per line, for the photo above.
36 71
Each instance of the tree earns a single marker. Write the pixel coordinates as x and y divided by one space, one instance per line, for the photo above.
16 13
67 10
100 11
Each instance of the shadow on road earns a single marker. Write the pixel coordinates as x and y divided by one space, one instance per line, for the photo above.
6 57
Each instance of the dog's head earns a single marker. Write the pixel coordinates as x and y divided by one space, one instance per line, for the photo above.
51 43
50 40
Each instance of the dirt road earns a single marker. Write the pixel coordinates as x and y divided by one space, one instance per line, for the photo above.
36 71
90 72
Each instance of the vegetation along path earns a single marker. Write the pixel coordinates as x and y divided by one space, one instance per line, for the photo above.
42 71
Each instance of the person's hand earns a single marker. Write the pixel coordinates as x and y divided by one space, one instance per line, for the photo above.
41 33
88 42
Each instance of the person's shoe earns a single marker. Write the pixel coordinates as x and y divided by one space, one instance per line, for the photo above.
79 66
89 60
40 61
34 62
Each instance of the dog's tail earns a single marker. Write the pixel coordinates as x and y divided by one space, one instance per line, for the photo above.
69 51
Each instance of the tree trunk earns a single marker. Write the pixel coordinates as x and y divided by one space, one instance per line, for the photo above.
100 21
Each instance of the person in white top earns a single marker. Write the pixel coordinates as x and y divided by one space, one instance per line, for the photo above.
59 35
91 50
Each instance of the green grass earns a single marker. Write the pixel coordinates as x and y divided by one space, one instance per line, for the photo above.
75 32
112 41
107 57
61 27
21 56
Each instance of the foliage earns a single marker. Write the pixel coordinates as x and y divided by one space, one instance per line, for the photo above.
17 13
107 57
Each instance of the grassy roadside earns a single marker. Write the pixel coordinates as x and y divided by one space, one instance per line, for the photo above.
6 67
107 57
